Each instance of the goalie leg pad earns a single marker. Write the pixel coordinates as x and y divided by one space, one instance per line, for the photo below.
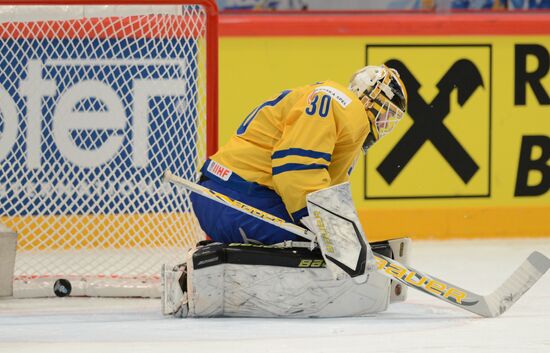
174 290
243 280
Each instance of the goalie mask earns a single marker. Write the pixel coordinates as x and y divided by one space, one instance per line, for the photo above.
384 96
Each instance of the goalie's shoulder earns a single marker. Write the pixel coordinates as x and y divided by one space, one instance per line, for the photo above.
345 105
339 94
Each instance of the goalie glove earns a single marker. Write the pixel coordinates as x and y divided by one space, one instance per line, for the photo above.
333 218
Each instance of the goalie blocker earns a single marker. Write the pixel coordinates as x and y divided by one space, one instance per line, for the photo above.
246 280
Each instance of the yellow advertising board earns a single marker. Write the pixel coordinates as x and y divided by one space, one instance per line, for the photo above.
443 148
472 156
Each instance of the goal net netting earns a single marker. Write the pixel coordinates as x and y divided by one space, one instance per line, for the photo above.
95 104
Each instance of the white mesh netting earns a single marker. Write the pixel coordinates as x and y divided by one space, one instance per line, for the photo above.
92 111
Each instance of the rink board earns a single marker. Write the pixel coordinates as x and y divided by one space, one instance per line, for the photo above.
480 168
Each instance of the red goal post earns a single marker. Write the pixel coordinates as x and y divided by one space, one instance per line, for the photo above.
97 99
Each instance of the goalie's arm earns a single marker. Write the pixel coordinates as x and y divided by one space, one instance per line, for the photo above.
320 141
301 158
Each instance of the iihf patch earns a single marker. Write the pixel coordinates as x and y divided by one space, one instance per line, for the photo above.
219 170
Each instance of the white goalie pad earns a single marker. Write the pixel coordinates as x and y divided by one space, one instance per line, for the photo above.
217 286
264 291
174 299
333 218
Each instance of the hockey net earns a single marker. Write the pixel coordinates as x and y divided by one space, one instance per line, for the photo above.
95 103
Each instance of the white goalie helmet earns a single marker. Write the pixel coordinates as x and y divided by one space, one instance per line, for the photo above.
384 96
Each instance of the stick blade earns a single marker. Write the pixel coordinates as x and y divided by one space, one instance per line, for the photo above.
523 278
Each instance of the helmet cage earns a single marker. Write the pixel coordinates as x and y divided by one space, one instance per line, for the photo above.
380 109
383 113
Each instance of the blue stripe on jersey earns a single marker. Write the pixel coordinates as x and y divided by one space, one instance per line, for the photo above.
296 166
298 215
241 130
301 152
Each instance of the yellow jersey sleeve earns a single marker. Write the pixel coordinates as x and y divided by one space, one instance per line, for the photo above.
321 137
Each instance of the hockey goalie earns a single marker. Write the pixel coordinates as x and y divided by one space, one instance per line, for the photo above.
291 158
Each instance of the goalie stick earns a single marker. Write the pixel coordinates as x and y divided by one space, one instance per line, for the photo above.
491 305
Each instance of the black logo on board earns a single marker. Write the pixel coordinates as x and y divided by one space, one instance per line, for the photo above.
445 149
428 118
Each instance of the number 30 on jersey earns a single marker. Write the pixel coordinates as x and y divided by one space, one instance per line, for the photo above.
319 105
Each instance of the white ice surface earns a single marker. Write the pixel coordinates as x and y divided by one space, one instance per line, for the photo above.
421 324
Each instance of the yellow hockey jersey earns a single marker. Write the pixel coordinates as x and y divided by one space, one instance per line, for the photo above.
303 140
